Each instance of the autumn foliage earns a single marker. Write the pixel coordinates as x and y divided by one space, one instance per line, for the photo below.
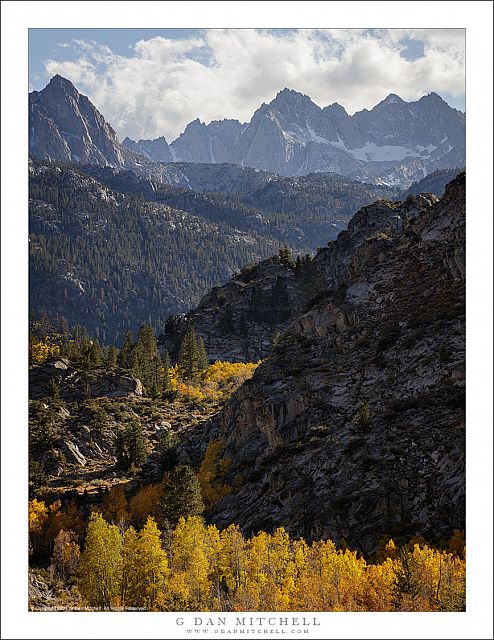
197 567
200 568
216 383
42 350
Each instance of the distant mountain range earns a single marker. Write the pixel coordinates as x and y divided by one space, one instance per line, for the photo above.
110 249
395 143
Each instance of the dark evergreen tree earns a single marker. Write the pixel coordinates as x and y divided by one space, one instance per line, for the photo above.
95 354
112 358
137 444
166 450
124 355
202 356
146 359
188 355
181 495
286 256
130 446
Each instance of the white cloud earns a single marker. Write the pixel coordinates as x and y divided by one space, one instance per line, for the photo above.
165 83
82 72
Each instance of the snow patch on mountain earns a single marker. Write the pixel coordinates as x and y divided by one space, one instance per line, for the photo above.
371 152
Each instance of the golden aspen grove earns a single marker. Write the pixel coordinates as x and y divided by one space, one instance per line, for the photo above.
197 567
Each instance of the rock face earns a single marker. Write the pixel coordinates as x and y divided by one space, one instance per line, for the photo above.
390 144
72 386
207 143
395 143
65 125
156 150
239 321
434 183
353 427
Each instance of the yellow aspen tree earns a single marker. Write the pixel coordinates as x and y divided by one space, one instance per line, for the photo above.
408 588
190 558
380 588
37 514
130 574
40 351
327 576
41 532
279 569
100 569
352 576
427 565
232 558
37 519
176 594
68 519
386 548
153 564
302 592
257 571
453 583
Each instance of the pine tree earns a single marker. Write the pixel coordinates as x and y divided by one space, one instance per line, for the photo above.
202 356
181 495
95 354
112 358
166 450
86 355
137 444
148 361
131 446
124 355
286 256
188 355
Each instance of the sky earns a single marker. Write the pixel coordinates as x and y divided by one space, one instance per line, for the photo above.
153 82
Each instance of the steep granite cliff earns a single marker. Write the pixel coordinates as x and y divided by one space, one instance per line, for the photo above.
353 427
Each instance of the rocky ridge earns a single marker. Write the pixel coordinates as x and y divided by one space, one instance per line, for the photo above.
395 143
234 319
73 386
353 427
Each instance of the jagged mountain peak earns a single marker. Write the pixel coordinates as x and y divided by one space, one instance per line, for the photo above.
335 107
59 81
433 99
392 98
433 96
395 143
195 123
291 97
